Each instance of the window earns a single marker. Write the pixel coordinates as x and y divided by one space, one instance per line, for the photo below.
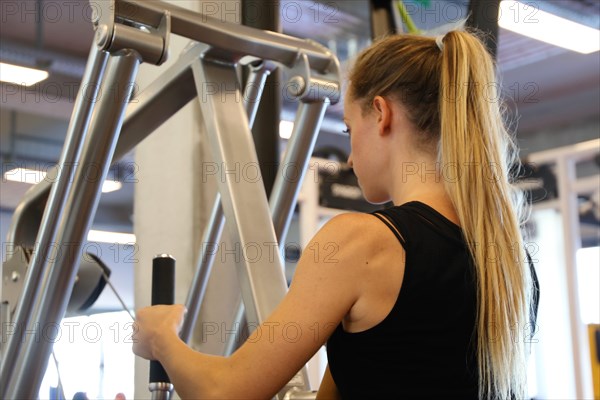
93 356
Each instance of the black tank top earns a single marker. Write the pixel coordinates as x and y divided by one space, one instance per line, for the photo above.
426 345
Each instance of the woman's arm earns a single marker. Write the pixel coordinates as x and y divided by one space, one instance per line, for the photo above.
326 284
328 390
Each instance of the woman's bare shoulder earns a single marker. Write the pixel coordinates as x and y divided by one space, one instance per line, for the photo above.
357 233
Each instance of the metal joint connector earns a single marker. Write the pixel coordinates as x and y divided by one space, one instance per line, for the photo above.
160 390
309 85
115 32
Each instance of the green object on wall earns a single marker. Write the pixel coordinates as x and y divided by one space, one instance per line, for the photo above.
410 25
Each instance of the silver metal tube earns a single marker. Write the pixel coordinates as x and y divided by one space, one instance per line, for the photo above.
82 114
206 258
66 221
286 188
152 107
149 46
214 228
5 321
244 201
164 97
160 390
237 40
253 91
239 322
293 168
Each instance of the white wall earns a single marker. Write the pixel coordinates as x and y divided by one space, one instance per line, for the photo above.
552 350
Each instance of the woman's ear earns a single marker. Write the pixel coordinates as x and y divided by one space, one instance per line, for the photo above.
383 113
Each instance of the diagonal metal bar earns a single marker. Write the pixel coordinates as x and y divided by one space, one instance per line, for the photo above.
214 228
287 185
151 108
244 200
295 162
72 204
81 117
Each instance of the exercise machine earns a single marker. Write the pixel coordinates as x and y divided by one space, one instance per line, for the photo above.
53 219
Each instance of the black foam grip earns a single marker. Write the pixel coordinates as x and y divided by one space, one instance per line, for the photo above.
163 292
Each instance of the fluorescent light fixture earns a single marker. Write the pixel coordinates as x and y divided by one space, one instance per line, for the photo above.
111 186
110 237
24 175
285 129
34 177
528 20
21 75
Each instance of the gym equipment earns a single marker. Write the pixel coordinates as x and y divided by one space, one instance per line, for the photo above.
92 276
104 127
163 292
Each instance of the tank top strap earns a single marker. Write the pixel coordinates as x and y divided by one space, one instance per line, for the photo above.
392 224
411 218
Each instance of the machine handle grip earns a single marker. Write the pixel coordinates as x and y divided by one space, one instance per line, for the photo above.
163 292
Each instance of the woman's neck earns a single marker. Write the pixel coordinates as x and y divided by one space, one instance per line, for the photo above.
422 180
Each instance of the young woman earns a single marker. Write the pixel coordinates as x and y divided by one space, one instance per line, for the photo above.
424 299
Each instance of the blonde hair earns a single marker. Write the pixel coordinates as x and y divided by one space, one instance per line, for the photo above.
452 100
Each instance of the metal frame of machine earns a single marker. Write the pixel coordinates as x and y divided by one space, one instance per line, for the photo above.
104 128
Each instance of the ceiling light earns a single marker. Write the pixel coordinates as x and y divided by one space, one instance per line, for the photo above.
21 75
285 129
111 186
24 175
110 237
34 177
528 20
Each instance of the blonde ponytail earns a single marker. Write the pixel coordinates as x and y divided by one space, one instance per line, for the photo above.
450 92
474 140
